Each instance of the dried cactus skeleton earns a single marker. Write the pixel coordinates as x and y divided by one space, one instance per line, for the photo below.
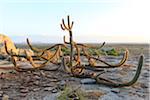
73 63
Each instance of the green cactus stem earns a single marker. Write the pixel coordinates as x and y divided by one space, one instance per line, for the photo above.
135 78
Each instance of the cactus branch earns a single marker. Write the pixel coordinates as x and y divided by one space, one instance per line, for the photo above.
135 78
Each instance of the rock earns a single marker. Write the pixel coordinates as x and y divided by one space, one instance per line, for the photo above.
73 79
111 96
47 85
48 88
1 93
55 90
54 80
87 81
23 94
5 97
5 87
36 82
147 60
22 87
115 90
24 90
3 57
36 73
62 82
42 73
132 97
27 79
94 93
73 96
144 85
62 85
36 89
146 74
52 96
37 77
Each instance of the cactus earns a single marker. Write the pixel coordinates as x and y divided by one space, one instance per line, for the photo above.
73 65
69 29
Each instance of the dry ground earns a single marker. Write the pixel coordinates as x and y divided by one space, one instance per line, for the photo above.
48 85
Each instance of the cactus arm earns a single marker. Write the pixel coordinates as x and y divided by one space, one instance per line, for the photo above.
6 49
45 63
135 78
87 46
124 59
33 48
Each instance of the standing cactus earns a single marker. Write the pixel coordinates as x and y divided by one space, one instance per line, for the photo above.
69 29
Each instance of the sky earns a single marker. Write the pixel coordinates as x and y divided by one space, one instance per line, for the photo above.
95 21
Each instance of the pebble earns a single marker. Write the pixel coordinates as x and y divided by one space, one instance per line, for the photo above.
36 82
1 93
5 97
146 74
22 87
28 79
73 79
55 90
95 93
36 89
54 80
111 96
115 90
37 77
5 87
23 94
74 96
87 81
144 85
48 88
47 85
52 96
24 90
48 76
62 85
36 73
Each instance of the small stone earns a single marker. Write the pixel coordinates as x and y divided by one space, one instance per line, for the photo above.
48 88
94 93
74 96
42 73
27 79
36 73
144 85
5 87
145 75
87 81
62 82
36 89
24 90
54 90
47 85
36 82
22 87
54 80
111 96
5 97
62 85
37 77
115 90
1 93
23 94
